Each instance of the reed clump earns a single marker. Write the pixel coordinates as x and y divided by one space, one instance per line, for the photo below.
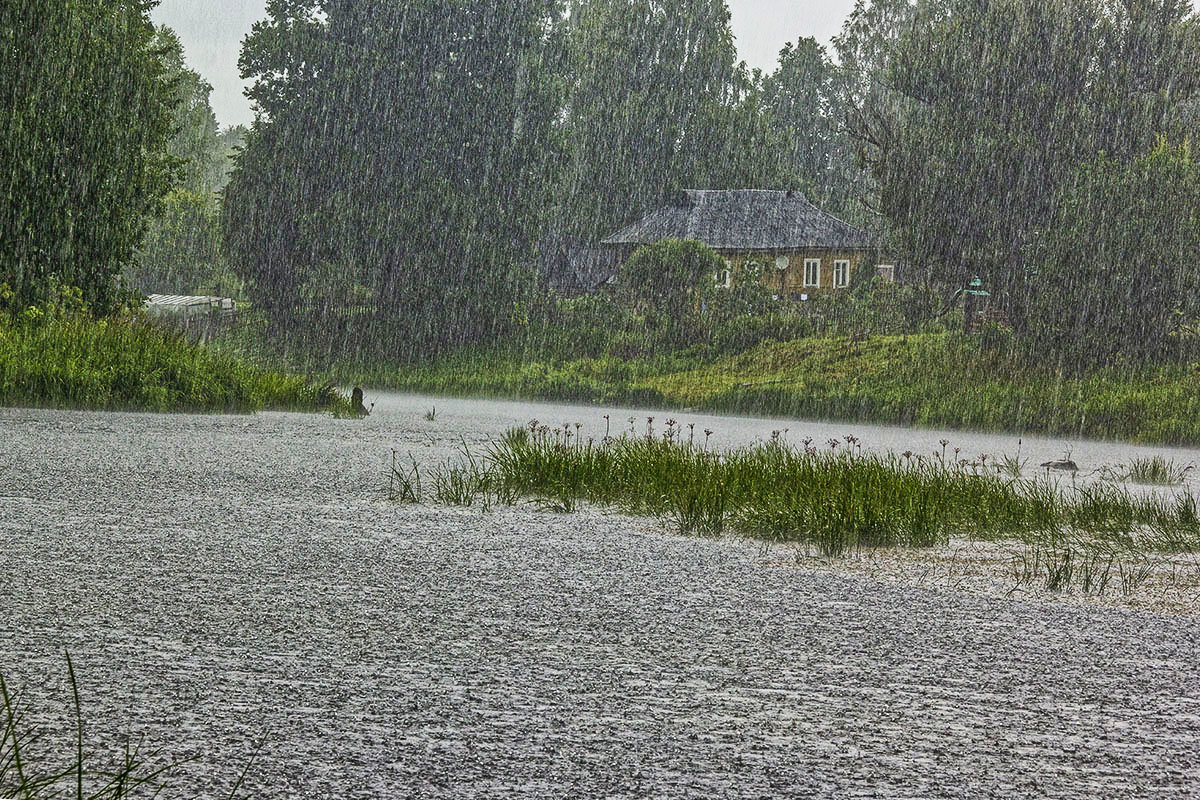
1156 470
833 497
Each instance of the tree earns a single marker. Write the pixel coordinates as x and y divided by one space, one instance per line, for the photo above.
403 146
652 108
181 251
85 115
804 102
666 276
987 107
1114 275
196 138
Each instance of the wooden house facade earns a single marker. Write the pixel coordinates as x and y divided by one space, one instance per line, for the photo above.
792 246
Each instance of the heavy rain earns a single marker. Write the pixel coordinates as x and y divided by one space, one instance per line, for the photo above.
599 398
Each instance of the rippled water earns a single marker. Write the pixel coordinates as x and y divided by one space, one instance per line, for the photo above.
218 579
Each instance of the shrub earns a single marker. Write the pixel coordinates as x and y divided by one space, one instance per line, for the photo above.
666 276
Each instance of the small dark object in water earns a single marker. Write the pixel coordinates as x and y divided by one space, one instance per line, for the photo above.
356 403
1065 464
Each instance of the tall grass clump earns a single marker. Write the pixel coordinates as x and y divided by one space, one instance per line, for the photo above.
1157 470
74 361
834 498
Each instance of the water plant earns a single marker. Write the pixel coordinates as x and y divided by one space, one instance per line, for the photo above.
1157 470
834 499
404 484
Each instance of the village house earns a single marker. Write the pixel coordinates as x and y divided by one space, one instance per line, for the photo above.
796 249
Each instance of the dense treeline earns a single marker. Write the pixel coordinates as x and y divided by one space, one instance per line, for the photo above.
412 169
983 135
413 162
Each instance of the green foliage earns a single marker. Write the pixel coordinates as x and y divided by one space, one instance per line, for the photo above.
666 277
69 360
745 332
1114 275
196 140
973 116
930 380
404 147
84 123
181 253
804 103
652 94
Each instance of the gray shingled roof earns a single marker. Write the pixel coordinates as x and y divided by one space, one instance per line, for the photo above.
744 219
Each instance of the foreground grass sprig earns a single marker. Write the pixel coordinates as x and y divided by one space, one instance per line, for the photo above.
132 773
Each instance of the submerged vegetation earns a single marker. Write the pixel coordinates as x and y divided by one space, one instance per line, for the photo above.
75 361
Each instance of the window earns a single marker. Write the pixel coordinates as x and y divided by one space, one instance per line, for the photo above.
781 262
812 272
723 278
887 272
841 274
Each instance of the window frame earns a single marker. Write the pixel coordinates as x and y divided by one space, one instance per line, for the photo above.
844 265
816 264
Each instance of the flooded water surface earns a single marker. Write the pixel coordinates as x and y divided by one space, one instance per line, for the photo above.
221 581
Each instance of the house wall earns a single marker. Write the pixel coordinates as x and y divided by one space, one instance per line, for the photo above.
791 280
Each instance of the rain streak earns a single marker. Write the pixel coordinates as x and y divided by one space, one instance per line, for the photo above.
531 398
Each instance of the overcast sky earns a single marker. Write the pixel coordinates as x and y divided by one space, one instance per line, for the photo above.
212 34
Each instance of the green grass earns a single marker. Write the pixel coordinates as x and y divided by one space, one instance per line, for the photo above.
832 497
1157 470
940 380
130 364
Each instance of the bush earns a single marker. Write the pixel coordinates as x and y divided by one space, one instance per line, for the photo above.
666 277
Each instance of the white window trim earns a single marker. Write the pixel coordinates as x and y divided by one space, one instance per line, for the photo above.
844 263
886 271
728 273
812 262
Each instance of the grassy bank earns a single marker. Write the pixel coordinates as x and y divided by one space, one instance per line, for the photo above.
78 362
932 380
